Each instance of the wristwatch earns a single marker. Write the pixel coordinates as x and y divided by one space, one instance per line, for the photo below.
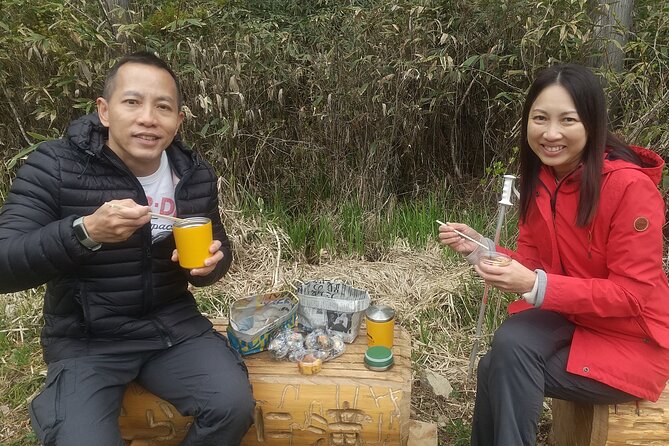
82 235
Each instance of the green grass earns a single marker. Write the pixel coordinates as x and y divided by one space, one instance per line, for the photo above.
346 228
20 362
28 439
458 433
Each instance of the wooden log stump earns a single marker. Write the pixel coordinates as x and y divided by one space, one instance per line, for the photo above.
639 423
344 404
148 420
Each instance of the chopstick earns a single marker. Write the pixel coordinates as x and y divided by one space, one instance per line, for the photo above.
167 217
152 214
463 235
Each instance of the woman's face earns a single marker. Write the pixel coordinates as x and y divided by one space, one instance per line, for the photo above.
555 131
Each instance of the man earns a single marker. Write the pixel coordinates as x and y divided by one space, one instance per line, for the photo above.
117 306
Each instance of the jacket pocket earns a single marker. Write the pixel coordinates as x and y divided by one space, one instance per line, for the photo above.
47 410
82 299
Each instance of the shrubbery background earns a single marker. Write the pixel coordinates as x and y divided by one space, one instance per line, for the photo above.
327 101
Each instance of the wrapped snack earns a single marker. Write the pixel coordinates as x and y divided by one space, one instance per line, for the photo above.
318 339
321 344
278 347
296 354
294 339
285 342
329 343
338 346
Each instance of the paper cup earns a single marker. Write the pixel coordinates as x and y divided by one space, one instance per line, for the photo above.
495 258
193 239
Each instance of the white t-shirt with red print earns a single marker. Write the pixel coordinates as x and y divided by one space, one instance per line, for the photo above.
159 190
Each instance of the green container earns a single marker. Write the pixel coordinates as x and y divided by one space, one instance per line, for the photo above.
378 358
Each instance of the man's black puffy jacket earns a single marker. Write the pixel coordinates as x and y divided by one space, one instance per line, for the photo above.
126 296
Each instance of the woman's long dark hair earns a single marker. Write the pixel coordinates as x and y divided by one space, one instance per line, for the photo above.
588 96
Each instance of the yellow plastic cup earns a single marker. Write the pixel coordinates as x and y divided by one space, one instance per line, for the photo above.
193 238
380 325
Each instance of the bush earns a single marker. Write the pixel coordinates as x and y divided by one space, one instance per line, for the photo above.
327 100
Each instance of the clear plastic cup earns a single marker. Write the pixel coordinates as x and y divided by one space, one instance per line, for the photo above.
494 258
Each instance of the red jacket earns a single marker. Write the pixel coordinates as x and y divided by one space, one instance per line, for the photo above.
607 277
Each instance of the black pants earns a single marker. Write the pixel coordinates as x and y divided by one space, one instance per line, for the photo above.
203 377
528 361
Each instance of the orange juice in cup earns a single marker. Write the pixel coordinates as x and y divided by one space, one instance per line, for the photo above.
193 238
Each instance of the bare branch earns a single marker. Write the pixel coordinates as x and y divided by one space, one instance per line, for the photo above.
16 116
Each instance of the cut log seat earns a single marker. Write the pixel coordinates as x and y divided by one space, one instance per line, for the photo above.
344 404
640 423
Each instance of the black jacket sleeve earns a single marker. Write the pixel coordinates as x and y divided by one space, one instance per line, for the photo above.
36 242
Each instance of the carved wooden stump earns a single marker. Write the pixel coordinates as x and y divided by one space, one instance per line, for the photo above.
149 420
344 404
641 424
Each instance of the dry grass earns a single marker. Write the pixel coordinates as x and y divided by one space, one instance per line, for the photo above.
424 288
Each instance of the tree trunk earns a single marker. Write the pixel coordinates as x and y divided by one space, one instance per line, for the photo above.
116 13
612 27
118 10
111 4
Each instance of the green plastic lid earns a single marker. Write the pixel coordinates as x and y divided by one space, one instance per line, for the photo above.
378 358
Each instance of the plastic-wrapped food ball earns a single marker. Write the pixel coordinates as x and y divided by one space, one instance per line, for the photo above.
338 346
294 340
323 355
318 340
295 355
278 347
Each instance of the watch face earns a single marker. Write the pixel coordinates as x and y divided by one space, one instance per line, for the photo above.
82 235
80 232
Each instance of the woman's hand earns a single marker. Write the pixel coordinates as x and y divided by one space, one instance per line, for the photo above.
448 237
512 278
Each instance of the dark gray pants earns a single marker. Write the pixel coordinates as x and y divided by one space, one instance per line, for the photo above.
528 361
203 377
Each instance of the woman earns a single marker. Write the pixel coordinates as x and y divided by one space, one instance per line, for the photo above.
593 321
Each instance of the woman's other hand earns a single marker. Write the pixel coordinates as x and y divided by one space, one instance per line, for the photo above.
512 278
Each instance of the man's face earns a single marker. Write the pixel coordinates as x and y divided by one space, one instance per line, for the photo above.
142 115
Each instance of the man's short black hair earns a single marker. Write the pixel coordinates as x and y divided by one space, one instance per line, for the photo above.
144 58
